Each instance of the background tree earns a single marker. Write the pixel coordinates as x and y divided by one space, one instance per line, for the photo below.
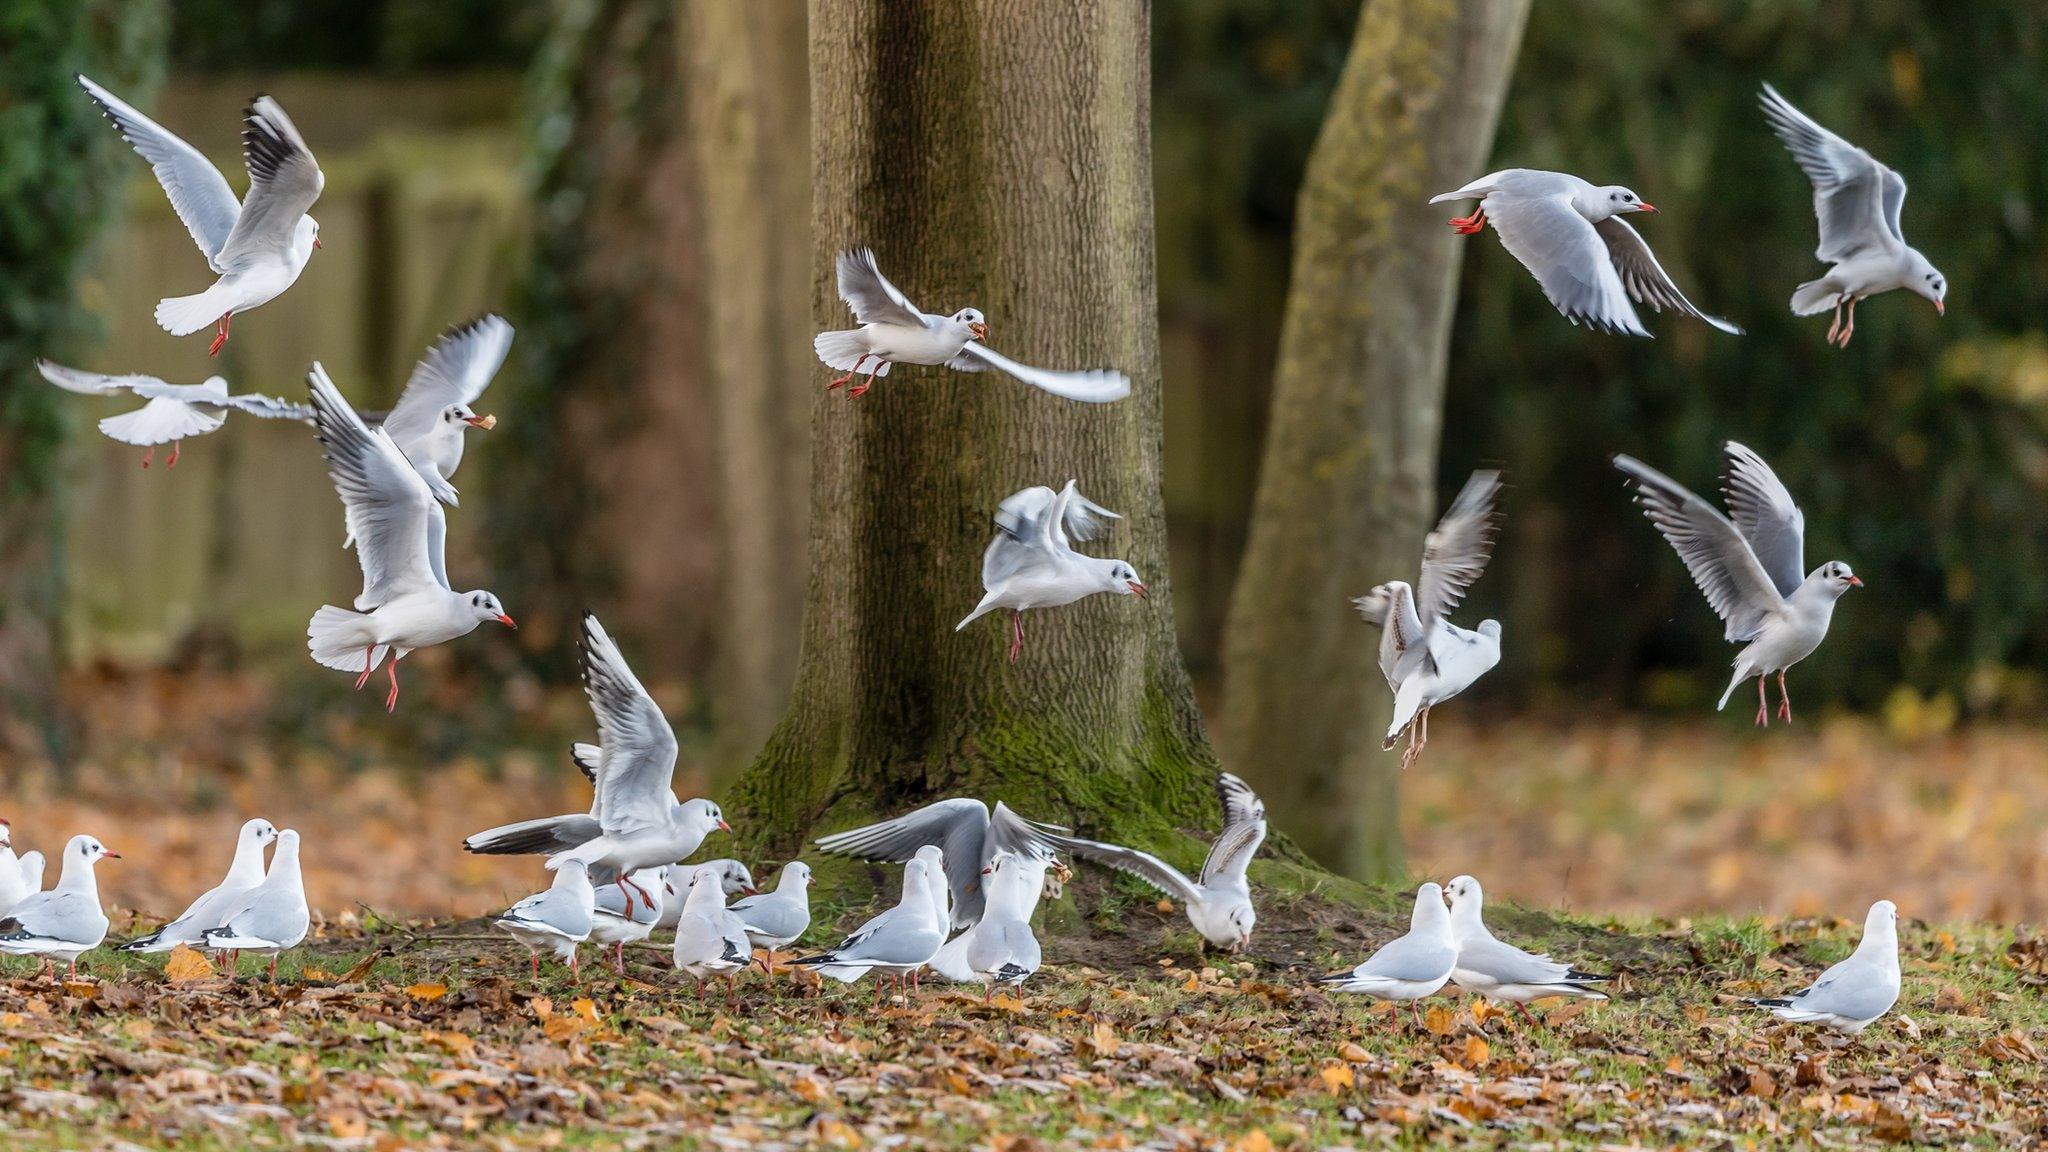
61 173
1349 477
999 155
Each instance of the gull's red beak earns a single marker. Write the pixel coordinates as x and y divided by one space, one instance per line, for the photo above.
1855 582
1140 589
316 242
1649 207
507 621
724 827
980 331
1940 309
113 855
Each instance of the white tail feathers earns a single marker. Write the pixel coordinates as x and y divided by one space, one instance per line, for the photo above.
845 349
1814 296
1407 702
1741 674
338 638
184 315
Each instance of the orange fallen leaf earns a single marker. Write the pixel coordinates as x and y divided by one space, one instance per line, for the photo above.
1477 1052
1255 1140
1354 1053
427 991
187 966
1440 1021
1338 1077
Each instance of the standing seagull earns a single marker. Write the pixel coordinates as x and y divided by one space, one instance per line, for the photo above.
67 921
1570 234
779 918
259 245
1029 866
1426 658
273 917
399 533
1850 996
893 331
433 413
710 939
634 821
1030 564
557 919
1407 968
1501 971
175 412
1003 950
245 872
1219 901
896 943
1750 567
1857 200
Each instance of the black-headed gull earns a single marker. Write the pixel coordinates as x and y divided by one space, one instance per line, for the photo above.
962 827
1857 200
67 921
1851 995
257 245
1571 236
174 413
894 331
675 879
1031 564
399 534
1002 949
556 920
1408 967
1426 658
778 918
1043 876
635 820
896 943
19 875
1750 568
245 872
710 939
1502 971
616 919
1219 899
434 412
271 918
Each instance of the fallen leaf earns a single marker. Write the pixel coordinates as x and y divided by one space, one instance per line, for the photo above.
1338 1077
426 991
187 966
1440 1021
1477 1052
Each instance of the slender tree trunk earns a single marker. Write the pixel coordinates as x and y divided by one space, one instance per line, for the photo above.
750 87
1349 478
52 208
994 154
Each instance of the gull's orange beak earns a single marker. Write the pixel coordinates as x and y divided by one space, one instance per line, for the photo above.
1855 581
508 622
724 827
1940 309
980 331
484 422
316 242
1140 589
1649 207
113 855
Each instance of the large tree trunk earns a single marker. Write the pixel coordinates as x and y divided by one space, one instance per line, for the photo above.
52 207
994 154
1349 478
750 86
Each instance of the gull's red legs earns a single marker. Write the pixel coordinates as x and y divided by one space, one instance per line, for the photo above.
220 333
861 389
1470 225
391 697
1763 707
840 380
1835 328
367 668
1016 634
173 461
1784 699
1849 325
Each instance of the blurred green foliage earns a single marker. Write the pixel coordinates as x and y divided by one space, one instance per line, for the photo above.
355 35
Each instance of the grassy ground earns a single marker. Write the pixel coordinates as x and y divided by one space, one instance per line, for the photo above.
397 1036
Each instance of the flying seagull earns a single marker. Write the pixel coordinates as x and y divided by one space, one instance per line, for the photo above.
1219 899
1426 658
433 413
1857 200
1571 235
893 331
174 412
399 532
1850 996
1750 567
1030 563
257 245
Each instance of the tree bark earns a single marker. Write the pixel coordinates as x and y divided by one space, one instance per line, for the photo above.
1348 482
997 155
750 110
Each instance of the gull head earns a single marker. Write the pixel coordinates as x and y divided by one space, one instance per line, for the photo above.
1924 278
1430 911
734 877
259 830
1122 579
703 817
1490 629
1835 577
305 238
462 414
486 607
797 873
1612 200
1242 920
1881 925
1464 891
973 321
86 849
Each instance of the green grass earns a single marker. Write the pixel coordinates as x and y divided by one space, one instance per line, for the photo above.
1231 1054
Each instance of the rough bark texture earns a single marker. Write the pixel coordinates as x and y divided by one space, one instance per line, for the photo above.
1349 479
750 86
993 154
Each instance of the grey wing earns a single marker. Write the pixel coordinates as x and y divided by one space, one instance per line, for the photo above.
1244 828
268 407
1851 989
199 193
1856 198
1455 552
456 370
1713 549
1013 833
1644 278
772 917
389 508
1404 635
276 915
636 779
873 299
284 180
92 383
1025 522
1411 958
1090 386
959 827
1763 509
1509 964
1143 865
1568 258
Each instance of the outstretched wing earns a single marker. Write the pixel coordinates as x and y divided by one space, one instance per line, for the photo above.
268 407
199 193
1455 553
1856 198
1645 279
388 505
959 827
1143 865
92 383
1713 549
873 299
456 370
636 775
1244 829
1092 386
1763 509
284 180
1568 258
